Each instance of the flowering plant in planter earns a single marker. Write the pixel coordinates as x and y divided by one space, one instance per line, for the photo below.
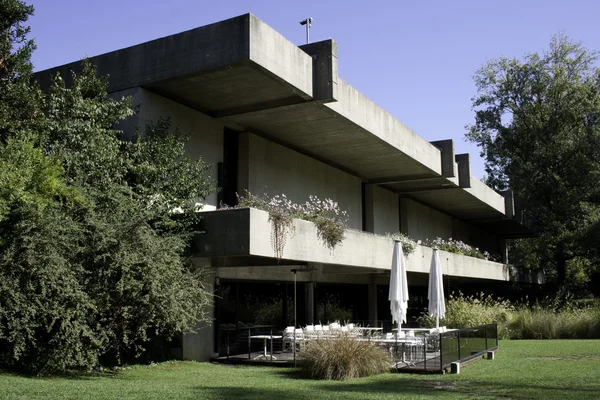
459 247
331 222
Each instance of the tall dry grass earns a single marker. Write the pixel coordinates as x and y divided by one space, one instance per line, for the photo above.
545 320
343 357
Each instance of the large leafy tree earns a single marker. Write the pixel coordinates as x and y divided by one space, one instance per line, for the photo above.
537 121
94 230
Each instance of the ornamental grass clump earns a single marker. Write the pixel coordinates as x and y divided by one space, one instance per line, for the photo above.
470 311
343 358
540 322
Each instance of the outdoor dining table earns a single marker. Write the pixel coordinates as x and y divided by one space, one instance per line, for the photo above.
265 338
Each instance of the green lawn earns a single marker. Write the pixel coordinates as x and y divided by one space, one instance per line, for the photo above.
567 369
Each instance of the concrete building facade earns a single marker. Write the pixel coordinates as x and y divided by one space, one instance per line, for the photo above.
272 117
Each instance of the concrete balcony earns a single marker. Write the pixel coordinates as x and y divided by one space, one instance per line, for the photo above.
242 238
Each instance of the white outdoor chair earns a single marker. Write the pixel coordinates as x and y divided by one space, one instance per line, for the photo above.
288 338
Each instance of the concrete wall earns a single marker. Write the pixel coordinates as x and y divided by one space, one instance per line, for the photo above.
274 169
206 133
472 235
381 209
421 222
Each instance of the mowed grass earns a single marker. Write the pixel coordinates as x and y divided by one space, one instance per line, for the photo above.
553 369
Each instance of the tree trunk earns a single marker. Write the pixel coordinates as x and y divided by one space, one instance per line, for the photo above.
561 268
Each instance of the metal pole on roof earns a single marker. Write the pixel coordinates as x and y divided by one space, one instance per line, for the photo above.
308 23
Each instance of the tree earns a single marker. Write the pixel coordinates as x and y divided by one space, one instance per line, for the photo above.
94 230
537 122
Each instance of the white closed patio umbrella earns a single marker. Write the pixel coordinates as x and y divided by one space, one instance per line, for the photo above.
398 295
435 294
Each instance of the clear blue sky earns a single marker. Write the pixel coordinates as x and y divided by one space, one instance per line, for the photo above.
413 58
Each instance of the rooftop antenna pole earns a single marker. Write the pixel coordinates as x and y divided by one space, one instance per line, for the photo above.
307 22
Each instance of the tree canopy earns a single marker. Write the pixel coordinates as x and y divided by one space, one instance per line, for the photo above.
537 121
94 229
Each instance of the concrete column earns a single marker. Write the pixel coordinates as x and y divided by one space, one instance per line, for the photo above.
199 346
243 163
503 250
404 215
372 302
309 301
369 208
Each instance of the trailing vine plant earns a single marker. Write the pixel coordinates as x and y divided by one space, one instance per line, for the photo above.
408 244
331 222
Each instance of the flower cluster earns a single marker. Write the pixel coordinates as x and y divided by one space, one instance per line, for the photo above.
408 245
331 222
459 247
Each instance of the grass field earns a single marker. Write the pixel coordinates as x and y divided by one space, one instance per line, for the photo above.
552 369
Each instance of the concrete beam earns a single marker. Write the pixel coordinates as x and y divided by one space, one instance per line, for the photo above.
208 47
325 69
464 170
446 148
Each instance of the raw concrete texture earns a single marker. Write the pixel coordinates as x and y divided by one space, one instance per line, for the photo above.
205 133
371 253
365 113
274 169
382 210
279 56
421 222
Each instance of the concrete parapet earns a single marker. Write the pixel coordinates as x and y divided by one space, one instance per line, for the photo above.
247 232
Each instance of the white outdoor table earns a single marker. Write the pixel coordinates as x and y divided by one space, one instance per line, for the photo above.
265 338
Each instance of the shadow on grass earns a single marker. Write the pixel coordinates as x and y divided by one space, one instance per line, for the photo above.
73 375
409 388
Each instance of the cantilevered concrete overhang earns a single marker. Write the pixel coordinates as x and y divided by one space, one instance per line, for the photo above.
241 237
246 74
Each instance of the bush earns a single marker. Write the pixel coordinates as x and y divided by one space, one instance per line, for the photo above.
343 358
469 311
545 323
522 321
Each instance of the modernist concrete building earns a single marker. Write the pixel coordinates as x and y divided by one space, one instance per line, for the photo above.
273 117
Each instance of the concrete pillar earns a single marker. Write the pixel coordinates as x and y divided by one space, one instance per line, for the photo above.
309 301
404 215
199 346
503 250
243 182
373 302
369 209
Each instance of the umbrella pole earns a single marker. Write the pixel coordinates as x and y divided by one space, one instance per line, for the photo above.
437 321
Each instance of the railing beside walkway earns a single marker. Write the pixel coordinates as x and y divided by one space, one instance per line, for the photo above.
416 350
461 345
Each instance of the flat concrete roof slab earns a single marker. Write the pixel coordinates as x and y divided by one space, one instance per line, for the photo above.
315 130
